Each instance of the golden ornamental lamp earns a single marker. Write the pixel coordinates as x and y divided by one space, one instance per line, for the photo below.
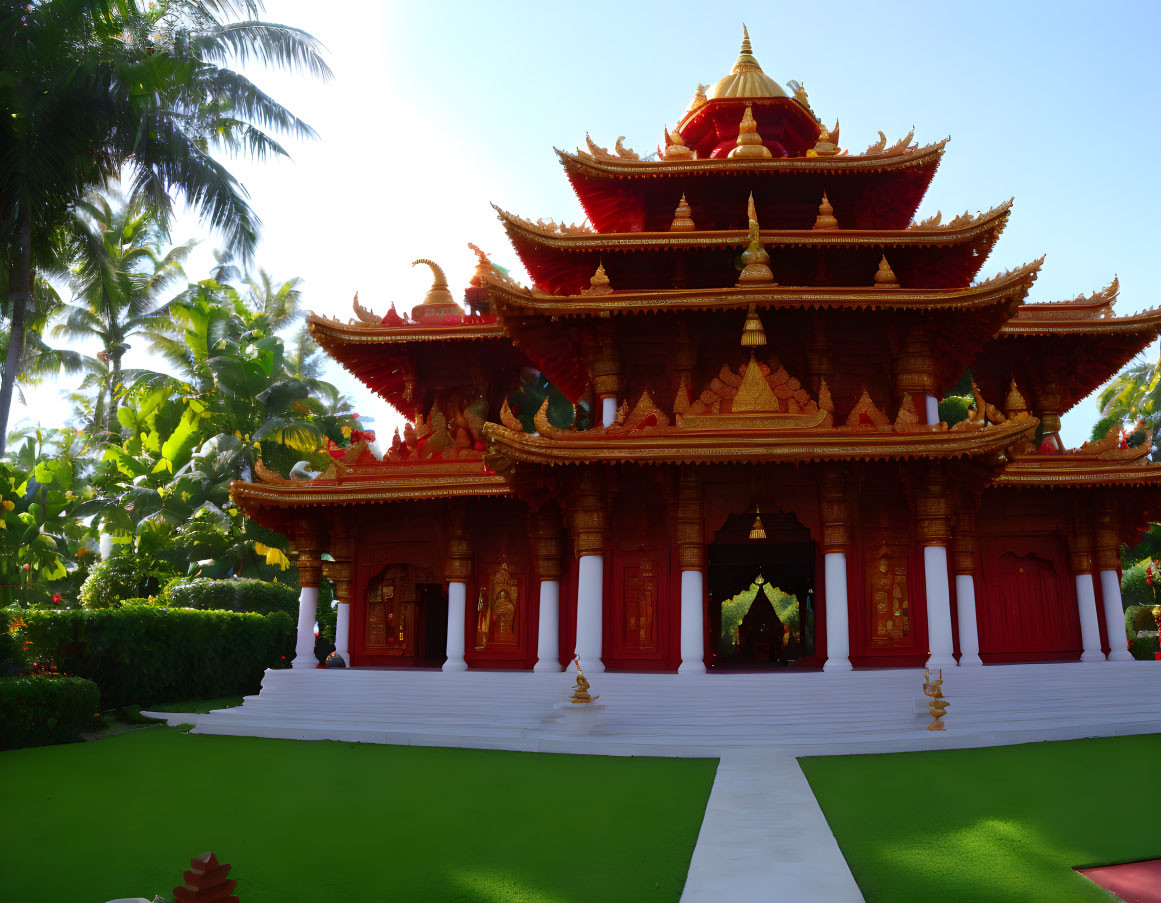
682 217
825 219
885 276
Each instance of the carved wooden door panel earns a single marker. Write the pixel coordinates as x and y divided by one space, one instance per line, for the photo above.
638 594
1027 610
501 612
391 608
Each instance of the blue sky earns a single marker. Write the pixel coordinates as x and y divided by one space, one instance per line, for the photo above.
438 109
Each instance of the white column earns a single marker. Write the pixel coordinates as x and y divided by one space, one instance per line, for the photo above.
932 409
1114 617
457 604
1090 630
692 621
608 411
547 640
307 610
939 641
838 641
589 613
969 636
343 632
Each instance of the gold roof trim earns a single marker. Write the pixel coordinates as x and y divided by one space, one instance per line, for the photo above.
1134 324
677 444
954 232
1063 472
621 168
399 488
1014 283
1096 306
366 334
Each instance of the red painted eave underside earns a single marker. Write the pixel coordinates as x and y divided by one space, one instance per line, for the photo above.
566 271
783 198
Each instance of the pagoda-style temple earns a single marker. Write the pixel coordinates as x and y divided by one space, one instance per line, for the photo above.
755 334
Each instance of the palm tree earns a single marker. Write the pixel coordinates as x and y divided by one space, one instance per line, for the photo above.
1132 398
88 87
118 278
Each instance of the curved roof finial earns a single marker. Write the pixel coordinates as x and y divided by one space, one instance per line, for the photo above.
438 293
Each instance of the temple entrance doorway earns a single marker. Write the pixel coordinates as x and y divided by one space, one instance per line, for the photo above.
761 582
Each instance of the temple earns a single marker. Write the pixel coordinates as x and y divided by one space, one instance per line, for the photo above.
740 463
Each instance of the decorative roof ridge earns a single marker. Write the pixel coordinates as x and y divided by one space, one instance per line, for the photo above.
850 161
540 226
469 326
1065 472
557 235
1032 269
1023 325
1097 305
394 488
964 221
654 300
690 444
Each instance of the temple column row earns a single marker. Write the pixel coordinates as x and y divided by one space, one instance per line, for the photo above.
590 524
1080 552
308 545
547 543
964 557
836 537
458 571
691 560
933 510
1108 562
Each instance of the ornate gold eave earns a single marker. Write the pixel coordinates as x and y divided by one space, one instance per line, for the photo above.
337 332
620 168
992 220
1148 321
401 487
1013 285
1066 472
695 446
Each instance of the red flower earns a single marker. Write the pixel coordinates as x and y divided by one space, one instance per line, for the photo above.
57 599
27 567
1149 573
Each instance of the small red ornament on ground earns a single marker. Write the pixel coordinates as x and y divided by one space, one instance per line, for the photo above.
205 881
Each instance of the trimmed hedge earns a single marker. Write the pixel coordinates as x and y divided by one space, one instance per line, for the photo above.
258 596
1134 589
35 711
13 659
143 655
1144 648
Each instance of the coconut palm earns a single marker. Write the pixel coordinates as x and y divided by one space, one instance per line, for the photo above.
89 88
119 278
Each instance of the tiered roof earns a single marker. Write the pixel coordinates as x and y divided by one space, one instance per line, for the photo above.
748 170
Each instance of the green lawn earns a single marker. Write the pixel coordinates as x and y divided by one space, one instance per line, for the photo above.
317 821
1001 824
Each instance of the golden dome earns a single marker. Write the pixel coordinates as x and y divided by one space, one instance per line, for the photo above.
747 78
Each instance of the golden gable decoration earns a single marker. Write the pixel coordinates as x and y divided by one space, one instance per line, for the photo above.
755 396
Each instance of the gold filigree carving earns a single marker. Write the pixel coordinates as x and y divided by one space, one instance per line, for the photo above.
509 419
754 397
826 404
497 611
878 147
827 143
364 315
866 417
907 420
601 153
675 147
885 276
623 152
833 511
756 261
645 414
545 428
753 335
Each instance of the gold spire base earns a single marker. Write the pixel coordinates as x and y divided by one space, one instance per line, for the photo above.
753 335
750 152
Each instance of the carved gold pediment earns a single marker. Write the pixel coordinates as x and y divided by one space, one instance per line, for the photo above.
755 396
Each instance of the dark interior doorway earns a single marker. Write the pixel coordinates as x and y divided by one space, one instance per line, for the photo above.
433 625
761 593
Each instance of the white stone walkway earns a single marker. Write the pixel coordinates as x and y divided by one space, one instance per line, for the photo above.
764 838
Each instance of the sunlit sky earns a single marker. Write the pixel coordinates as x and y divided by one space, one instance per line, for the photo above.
438 109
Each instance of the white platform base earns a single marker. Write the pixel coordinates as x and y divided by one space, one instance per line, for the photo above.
579 718
670 715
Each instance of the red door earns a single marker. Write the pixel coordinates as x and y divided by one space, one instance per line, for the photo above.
639 622
1027 610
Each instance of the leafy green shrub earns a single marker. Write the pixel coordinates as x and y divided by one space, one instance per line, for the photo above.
258 596
35 711
125 576
954 408
1144 648
1134 589
1139 617
143 654
13 660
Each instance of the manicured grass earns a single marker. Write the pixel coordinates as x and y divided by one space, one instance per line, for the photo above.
1007 823
316 821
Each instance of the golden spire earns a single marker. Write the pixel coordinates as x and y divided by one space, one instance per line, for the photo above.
682 217
599 283
753 335
825 218
746 79
750 144
438 302
676 148
1015 402
885 277
756 260
757 530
